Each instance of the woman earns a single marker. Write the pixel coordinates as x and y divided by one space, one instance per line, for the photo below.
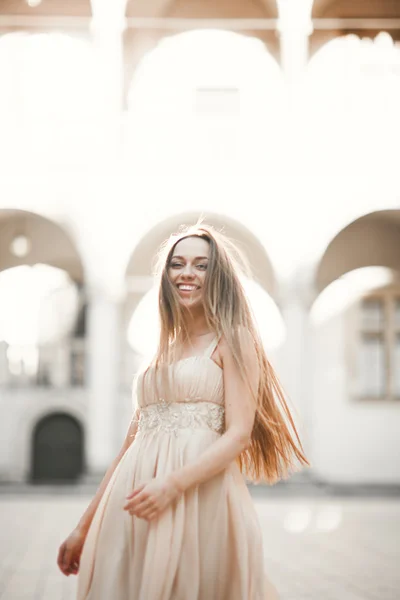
173 519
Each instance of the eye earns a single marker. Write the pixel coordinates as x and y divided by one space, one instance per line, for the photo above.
175 265
202 266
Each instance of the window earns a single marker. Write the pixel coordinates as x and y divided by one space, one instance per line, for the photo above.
379 347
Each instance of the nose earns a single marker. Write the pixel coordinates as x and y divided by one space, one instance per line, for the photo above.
187 270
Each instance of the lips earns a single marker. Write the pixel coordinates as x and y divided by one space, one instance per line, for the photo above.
186 287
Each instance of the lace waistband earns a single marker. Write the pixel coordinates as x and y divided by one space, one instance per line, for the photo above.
171 417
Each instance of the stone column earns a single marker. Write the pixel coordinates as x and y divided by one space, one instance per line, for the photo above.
294 26
297 353
103 361
107 27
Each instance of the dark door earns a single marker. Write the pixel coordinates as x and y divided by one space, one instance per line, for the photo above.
57 449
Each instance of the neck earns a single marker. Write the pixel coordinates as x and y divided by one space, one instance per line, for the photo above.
196 323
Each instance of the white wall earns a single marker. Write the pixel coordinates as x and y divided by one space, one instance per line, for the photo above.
20 410
352 441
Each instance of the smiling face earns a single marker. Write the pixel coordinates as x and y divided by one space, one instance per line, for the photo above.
187 269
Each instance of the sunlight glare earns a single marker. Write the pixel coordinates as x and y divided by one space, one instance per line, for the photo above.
348 289
352 93
51 96
38 305
20 246
328 518
297 519
221 99
143 328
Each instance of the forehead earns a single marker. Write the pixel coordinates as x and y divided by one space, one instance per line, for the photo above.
192 247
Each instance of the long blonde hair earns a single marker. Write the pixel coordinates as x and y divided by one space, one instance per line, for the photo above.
272 452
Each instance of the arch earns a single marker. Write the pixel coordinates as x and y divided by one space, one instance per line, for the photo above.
356 12
50 243
57 60
52 99
219 9
175 51
352 93
197 12
57 448
222 106
370 240
42 302
141 261
33 412
361 262
78 8
374 9
139 44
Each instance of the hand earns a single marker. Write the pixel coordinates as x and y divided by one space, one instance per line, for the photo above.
148 500
70 551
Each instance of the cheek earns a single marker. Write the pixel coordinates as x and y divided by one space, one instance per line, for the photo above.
172 274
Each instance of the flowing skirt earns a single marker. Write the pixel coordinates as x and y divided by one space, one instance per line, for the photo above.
205 546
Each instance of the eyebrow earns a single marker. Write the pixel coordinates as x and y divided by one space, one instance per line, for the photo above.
195 258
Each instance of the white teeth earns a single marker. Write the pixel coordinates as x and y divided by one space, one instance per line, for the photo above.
187 288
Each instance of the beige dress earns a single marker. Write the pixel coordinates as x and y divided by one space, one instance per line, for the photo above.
205 546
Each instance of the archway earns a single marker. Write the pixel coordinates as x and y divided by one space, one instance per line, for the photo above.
371 240
42 302
356 349
222 98
57 449
351 95
51 101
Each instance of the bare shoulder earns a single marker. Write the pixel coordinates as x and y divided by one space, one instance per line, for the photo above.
246 342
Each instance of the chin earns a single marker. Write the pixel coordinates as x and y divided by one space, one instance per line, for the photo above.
191 303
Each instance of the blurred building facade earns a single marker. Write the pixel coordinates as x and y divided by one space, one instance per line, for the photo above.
120 121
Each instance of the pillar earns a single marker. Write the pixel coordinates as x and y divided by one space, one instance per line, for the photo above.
103 361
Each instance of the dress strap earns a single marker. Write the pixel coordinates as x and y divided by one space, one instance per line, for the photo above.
210 349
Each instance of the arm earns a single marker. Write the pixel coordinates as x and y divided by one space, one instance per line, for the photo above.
88 515
71 549
239 420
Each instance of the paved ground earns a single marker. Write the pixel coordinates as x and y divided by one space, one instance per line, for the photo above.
317 547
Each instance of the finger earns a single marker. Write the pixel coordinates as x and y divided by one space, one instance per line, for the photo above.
137 510
145 501
75 566
140 497
67 558
131 505
149 504
139 513
136 500
62 566
136 491
60 556
151 516
149 508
